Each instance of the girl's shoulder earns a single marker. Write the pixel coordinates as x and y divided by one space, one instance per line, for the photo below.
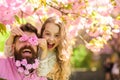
49 59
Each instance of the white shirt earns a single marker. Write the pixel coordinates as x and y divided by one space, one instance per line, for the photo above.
46 65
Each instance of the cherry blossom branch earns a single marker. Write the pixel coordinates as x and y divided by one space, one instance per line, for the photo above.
59 9
83 39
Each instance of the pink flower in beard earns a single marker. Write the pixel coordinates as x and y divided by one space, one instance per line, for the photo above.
17 63
36 61
26 72
20 69
36 64
24 62
28 66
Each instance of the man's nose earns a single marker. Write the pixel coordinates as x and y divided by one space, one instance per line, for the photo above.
27 43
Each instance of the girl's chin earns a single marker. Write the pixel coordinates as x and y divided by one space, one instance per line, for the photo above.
51 49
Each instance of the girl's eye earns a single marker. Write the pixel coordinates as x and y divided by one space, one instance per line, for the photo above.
57 35
47 34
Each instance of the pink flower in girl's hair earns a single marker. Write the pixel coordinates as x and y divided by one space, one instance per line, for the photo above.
33 40
24 38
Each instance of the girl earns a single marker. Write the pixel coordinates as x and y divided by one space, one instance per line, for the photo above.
55 56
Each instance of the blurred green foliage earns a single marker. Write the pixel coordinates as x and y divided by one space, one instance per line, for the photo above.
2 28
81 57
3 37
84 59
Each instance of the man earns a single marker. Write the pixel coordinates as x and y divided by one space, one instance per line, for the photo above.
22 65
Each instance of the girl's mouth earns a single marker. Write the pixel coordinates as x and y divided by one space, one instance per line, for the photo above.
50 46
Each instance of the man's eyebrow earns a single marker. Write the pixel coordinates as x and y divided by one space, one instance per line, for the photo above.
58 33
17 36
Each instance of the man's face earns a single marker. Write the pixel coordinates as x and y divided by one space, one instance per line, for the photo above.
24 50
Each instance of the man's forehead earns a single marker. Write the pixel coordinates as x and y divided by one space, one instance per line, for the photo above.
30 34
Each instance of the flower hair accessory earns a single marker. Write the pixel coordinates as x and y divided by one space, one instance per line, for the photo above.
24 67
32 40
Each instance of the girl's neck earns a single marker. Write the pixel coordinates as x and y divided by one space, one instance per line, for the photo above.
49 51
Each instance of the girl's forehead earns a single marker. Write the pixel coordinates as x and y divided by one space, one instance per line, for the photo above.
51 27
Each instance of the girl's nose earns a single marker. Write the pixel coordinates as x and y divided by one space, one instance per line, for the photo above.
51 38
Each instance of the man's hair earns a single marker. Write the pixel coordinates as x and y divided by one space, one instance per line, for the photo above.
27 28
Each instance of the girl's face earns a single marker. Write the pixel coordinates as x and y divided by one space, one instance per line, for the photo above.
52 35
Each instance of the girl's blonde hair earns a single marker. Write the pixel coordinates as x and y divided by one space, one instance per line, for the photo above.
63 51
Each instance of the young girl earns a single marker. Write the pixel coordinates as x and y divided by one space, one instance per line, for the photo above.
54 50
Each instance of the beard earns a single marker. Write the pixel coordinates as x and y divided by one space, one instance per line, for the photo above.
30 60
18 54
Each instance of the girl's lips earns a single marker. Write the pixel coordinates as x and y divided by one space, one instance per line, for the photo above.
50 45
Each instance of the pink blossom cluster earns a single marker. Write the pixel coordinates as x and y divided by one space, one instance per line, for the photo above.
32 40
27 66
26 10
92 15
8 9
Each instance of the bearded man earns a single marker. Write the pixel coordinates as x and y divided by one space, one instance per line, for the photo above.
24 62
